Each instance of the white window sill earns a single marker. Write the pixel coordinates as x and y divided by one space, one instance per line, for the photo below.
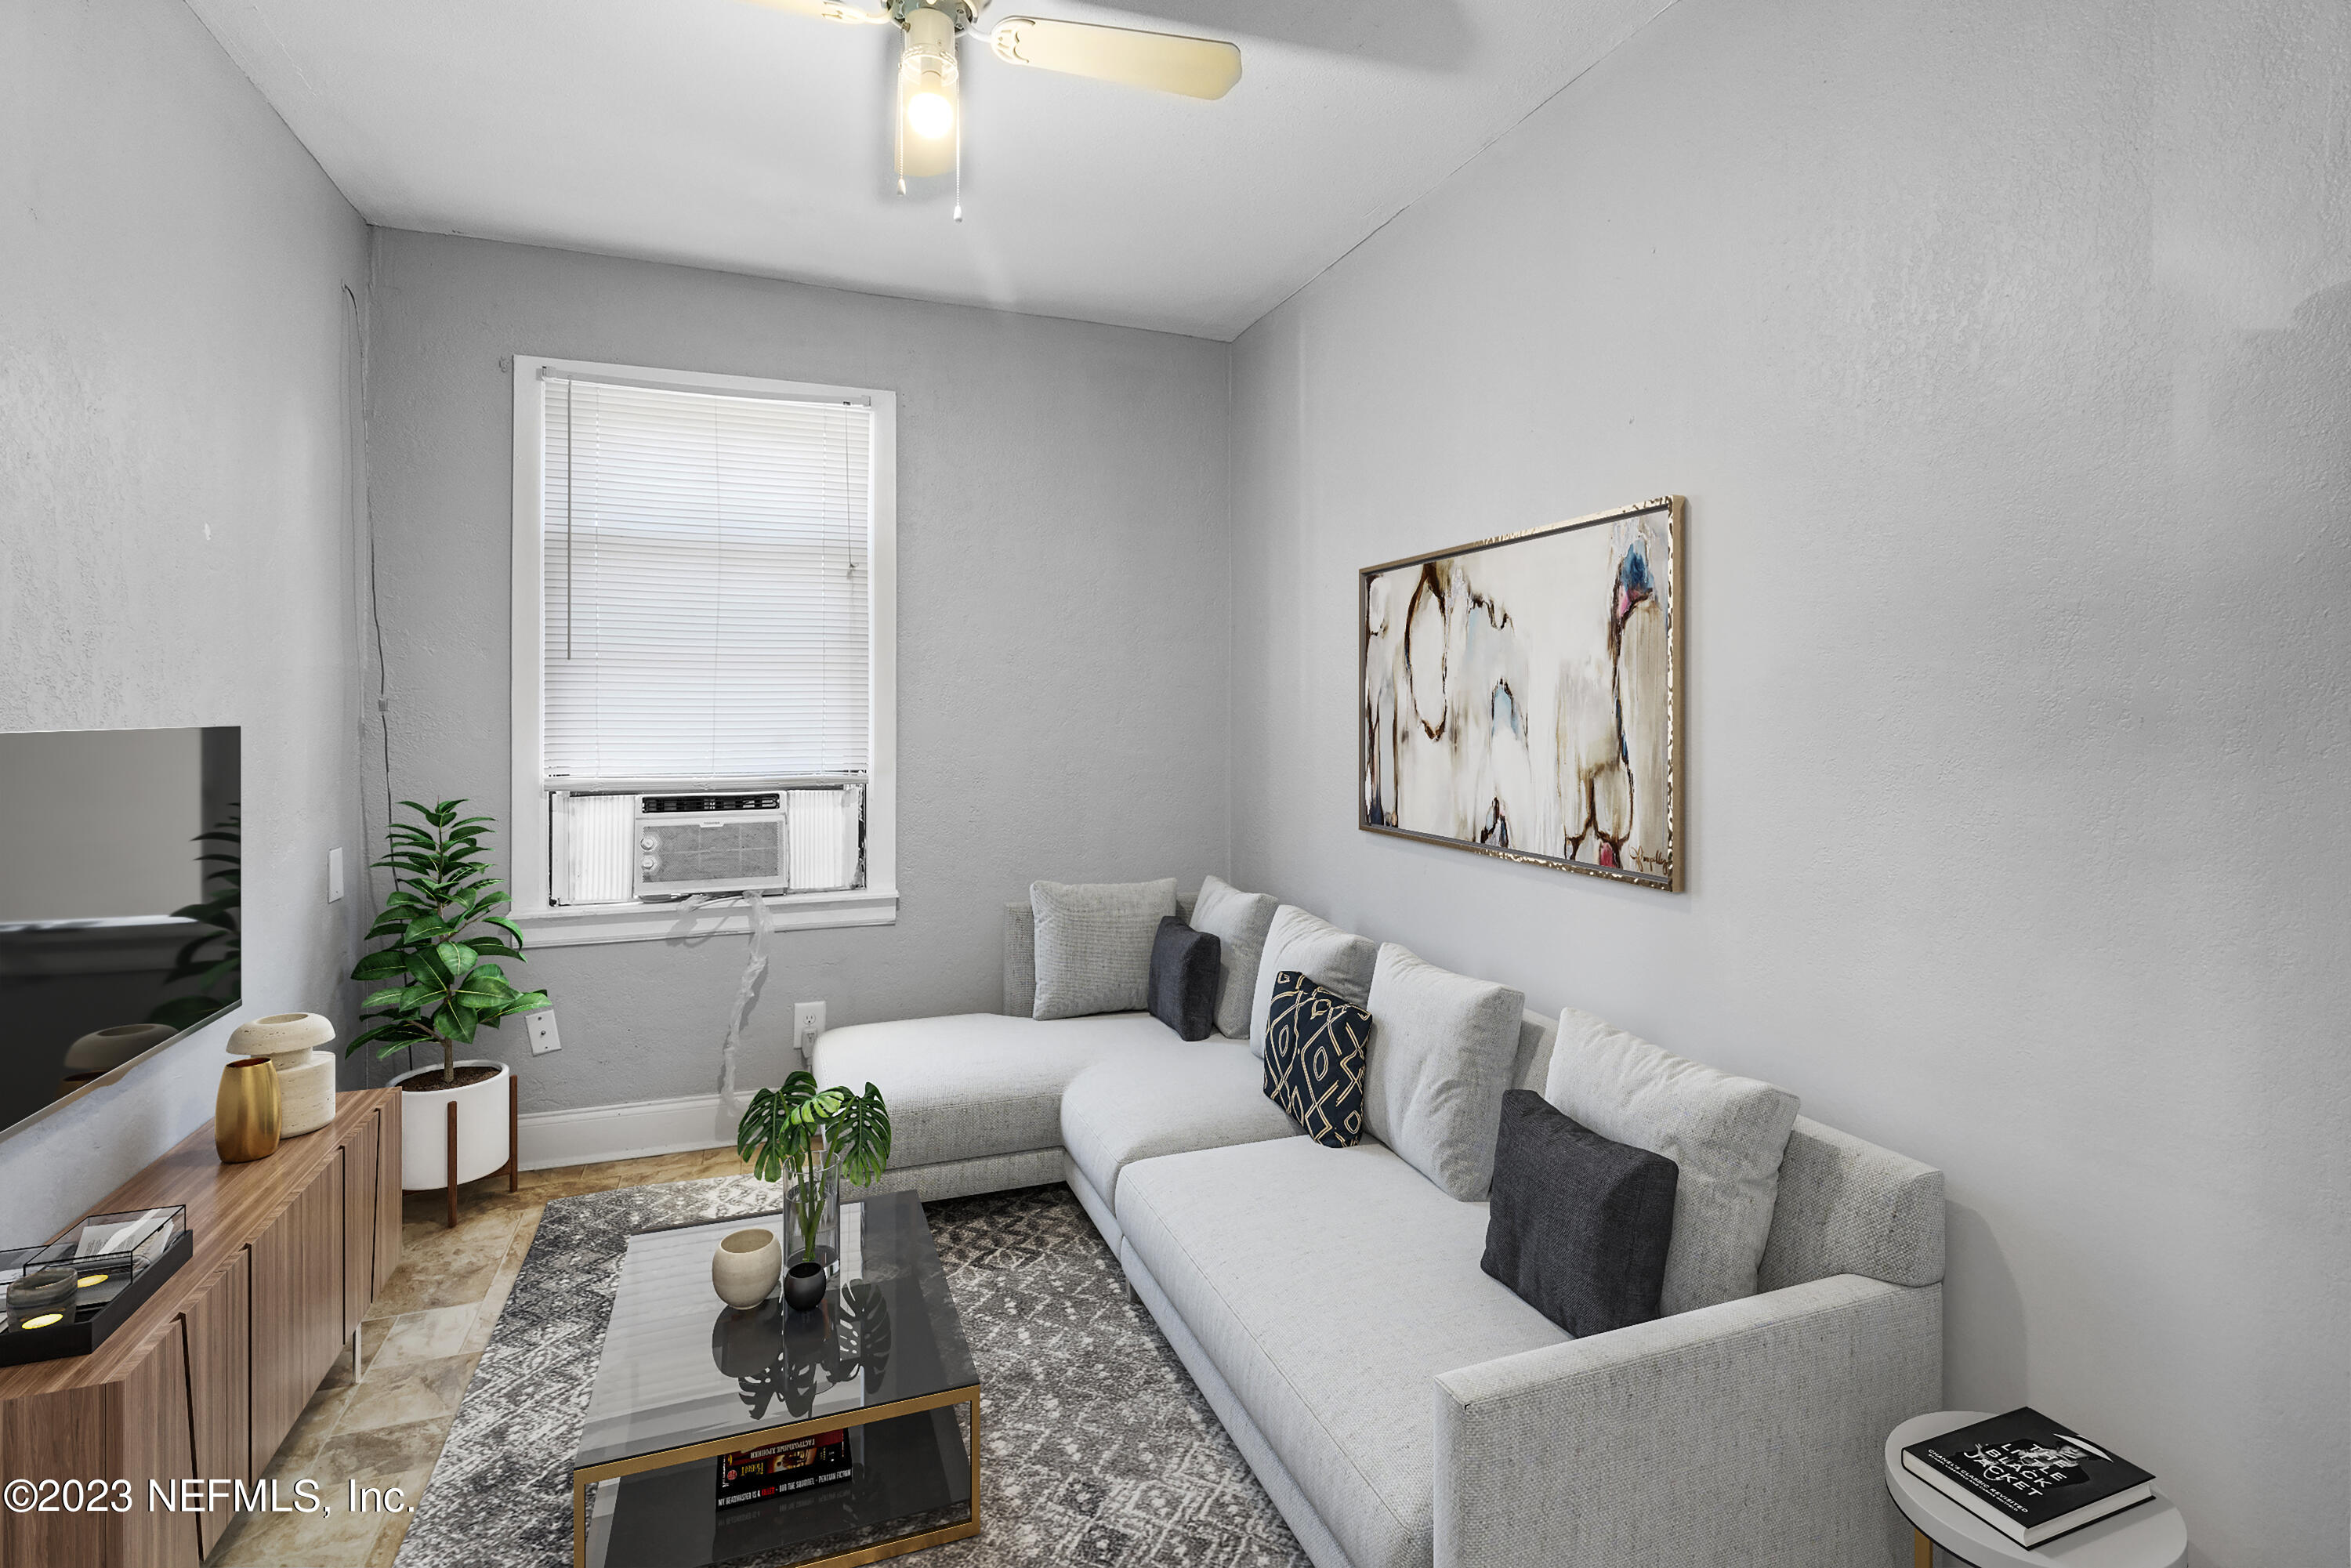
678 922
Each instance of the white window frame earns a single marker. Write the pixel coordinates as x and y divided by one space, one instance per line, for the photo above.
876 903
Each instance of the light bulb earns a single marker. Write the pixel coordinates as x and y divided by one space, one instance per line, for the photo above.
930 115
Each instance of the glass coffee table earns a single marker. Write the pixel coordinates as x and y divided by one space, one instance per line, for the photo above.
686 1381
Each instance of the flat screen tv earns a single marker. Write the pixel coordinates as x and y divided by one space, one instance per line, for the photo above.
119 909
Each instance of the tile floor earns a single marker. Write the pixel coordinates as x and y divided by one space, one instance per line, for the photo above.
418 1350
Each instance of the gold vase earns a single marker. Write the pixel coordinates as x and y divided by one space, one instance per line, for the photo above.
245 1118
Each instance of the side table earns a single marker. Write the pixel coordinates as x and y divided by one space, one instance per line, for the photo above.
2150 1535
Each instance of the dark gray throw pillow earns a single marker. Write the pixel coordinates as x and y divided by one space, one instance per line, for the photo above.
1183 978
1579 1223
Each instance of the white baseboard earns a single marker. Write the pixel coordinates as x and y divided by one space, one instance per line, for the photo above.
551 1138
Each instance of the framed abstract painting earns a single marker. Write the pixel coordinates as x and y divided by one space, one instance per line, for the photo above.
1521 696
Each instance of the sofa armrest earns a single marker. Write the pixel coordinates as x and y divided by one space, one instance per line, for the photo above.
1750 1432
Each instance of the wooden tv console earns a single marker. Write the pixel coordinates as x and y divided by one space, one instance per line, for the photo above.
207 1377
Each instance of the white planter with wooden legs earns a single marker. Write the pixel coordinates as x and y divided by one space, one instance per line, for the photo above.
450 1137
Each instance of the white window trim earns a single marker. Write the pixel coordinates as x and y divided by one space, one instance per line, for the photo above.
876 903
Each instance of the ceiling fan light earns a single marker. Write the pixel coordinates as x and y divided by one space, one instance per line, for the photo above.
930 113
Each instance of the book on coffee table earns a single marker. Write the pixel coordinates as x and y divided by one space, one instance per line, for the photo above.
774 1469
2028 1477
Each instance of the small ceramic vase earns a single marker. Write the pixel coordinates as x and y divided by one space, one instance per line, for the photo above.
804 1286
244 1117
305 1076
745 1268
280 1034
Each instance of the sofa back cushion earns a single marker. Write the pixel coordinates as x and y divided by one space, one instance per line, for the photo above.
1317 950
1239 921
1093 944
1726 1134
1443 1046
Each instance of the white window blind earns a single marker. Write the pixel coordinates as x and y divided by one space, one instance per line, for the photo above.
705 583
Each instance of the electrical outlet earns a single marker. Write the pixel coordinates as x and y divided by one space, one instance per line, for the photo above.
543 1038
807 1022
334 876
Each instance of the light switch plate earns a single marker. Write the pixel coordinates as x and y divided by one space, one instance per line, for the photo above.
334 876
543 1038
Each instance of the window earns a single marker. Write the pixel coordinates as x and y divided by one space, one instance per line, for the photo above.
703 671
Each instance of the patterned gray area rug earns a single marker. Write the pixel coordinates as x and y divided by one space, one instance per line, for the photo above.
1098 1450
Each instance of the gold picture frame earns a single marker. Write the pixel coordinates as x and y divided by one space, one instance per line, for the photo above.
1550 715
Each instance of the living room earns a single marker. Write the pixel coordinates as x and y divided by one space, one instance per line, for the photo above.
1951 405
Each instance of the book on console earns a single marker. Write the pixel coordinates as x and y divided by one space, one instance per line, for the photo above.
2028 1477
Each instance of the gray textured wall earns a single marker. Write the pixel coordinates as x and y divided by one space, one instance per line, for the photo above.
174 488
1063 615
2001 351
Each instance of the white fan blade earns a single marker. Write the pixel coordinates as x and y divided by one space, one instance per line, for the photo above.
822 10
1196 68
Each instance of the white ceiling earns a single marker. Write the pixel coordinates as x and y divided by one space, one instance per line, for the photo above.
722 135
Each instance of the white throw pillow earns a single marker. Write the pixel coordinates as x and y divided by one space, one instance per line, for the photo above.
1443 1047
1727 1133
1239 921
1093 944
1316 949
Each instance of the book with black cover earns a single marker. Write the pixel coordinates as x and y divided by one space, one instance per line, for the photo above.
2028 1477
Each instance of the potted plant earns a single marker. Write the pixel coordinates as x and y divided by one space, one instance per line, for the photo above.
815 1137
445 935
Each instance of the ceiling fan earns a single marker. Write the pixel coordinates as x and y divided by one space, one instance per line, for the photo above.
929 131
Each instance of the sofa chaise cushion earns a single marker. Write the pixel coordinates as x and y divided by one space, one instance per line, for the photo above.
1442 1049
1239 921
1330 1287
1727 1135
973 1084
1316 949
1144 1103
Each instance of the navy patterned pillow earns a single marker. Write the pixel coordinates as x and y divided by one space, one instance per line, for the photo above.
1316 1045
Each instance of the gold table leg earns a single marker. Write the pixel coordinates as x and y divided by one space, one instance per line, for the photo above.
1922 1551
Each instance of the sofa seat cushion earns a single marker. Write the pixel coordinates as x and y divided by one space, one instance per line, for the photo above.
1330 1287
975 1084
1168 1101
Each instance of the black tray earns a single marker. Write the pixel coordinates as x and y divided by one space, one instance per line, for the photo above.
89 1326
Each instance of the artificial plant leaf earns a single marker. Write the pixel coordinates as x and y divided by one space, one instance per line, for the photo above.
455 957
382 965
391 997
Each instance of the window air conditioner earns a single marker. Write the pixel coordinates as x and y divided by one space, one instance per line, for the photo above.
687 844
611 848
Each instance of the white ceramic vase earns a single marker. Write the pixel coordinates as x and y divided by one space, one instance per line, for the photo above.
482 1127
305 1091
745 1267
306 1078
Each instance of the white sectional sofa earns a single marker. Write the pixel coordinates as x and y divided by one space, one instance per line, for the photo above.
1402 1407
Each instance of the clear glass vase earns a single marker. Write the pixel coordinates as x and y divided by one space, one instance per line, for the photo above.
827 1184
